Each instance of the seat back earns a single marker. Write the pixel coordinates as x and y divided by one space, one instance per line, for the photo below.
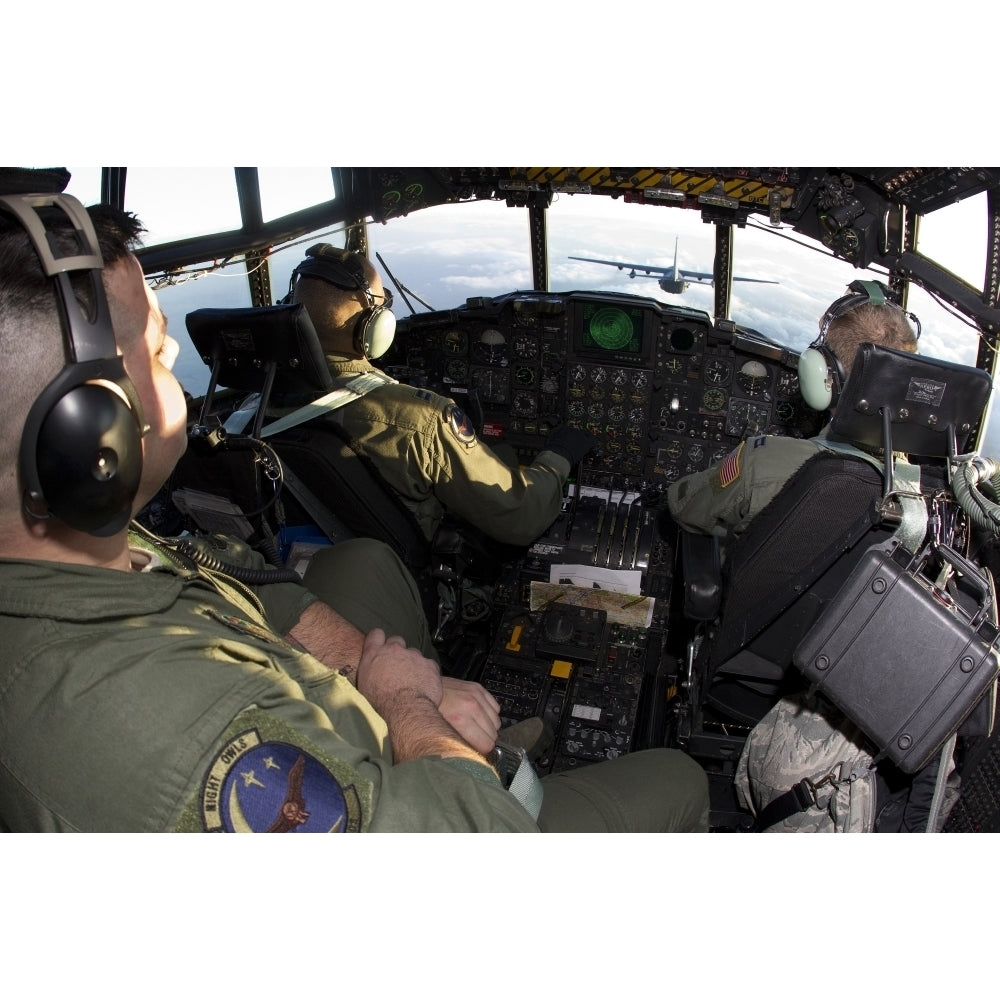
780 574
793 557
928 407
275 350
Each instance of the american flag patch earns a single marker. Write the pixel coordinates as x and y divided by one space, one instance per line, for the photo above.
729 471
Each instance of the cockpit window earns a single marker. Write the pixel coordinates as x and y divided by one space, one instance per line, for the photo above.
284 190
211 205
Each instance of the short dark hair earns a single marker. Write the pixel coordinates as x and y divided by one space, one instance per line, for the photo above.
24 287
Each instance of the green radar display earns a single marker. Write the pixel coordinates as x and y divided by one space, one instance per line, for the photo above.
611 328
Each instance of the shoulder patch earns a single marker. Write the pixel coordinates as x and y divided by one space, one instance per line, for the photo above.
729 470
461 426
265 780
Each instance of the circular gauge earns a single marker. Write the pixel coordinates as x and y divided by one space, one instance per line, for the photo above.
524 404
619 377
491 346
634 431
616 414
611 328
524 375
784 412
696 453
717 372
713 400
673 365
640 380
599 376
575 409
456 342
671 472
752 378
493 385
788 383
673 450
578 374
525 347
596 411
457 371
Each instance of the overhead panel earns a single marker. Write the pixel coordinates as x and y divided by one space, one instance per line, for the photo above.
746 187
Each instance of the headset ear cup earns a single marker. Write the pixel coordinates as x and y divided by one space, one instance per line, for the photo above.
819 378
89 459
374 332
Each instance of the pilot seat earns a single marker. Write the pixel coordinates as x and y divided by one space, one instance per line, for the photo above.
748 605
306 484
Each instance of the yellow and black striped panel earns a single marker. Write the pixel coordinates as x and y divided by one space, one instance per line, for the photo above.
740 186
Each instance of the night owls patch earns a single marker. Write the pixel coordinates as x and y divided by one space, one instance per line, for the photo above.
461 426
266 779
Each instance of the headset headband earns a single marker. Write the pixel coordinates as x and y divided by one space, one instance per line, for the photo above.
81 447
861 293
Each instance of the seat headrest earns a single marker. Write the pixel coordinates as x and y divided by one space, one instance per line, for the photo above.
927 399
246 341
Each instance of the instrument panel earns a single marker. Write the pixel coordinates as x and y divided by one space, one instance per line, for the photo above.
663 390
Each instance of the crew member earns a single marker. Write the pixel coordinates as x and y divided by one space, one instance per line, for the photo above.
422 443
723 499
145 692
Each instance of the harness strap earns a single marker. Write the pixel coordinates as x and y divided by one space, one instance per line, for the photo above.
351 388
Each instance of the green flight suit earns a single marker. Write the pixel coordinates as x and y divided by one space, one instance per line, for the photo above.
425 448
167 699
723 499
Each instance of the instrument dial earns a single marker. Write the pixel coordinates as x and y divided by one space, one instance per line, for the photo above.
713 400
492 347
753 378
456 342
717 372
525 347
524 404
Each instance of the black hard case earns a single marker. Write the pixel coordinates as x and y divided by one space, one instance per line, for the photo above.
901 659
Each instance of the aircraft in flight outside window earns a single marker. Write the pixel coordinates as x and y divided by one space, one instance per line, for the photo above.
673 280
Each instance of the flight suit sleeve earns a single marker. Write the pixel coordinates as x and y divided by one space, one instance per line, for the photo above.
714 501
316 759
513 505
723 499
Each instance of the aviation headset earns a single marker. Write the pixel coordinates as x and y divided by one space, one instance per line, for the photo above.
821 375
81 447
376 326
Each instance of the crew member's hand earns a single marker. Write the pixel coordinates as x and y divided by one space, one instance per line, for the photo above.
570 442
392 675
473 711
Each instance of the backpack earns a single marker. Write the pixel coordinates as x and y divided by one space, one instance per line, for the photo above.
806 768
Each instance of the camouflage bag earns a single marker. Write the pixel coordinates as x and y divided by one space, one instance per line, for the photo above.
805 768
